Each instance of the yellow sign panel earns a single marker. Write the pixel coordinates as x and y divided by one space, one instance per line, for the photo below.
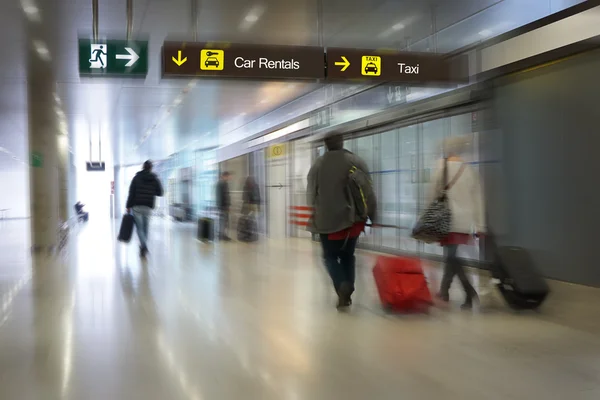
212 60
277 150
371 66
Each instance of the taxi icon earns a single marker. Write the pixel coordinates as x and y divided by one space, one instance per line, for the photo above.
371 68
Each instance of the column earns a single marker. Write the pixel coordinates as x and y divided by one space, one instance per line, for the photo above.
48 149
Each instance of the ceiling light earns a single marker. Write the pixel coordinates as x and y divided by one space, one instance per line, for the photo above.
252 17
242 114
42 49
398 26
31 10
485 33
178 100
263 101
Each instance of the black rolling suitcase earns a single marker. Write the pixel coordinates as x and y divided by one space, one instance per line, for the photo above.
522 286
126 230
206 229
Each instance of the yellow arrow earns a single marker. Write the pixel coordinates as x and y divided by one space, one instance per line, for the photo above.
179 61
345 64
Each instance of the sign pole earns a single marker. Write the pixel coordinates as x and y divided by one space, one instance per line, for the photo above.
129 18
95 19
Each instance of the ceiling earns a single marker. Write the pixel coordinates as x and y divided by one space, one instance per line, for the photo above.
152 117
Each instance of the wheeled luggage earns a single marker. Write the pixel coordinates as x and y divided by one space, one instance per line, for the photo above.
246 229
401 284
522 286
206 229
126 230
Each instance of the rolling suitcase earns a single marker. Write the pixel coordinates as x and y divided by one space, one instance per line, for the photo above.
401 284
126 230
522 286
206 229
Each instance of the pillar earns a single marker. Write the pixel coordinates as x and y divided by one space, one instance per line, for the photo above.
48 149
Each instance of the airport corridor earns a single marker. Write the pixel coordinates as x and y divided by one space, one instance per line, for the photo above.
230 321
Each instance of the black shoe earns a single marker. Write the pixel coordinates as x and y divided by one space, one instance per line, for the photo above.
468 304
443 297
344 295
226 239
143 252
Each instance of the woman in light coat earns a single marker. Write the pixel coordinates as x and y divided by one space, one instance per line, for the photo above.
465 200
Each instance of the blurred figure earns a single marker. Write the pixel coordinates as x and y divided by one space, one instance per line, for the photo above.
223 205
247 225
334 214
144 189
81 215
251 196
465 200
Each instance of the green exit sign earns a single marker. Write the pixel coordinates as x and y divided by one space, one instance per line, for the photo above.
113 57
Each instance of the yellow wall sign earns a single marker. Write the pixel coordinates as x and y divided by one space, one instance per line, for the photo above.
212 60
371 65
277 150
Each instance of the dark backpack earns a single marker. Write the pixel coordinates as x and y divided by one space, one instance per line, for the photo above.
362 195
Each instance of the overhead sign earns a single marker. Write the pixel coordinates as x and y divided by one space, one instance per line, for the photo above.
113 57
95 166
277 150
344 64
243 61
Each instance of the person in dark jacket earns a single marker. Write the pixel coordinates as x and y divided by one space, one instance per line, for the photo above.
81 214
251 196
143 190
334 219
223 205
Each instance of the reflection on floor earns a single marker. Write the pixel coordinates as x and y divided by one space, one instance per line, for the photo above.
238 321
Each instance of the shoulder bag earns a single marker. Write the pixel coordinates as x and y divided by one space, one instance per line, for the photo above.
435 222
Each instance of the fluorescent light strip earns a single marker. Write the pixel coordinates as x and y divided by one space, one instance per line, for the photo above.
280 133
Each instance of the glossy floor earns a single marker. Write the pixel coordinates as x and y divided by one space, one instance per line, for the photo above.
235 321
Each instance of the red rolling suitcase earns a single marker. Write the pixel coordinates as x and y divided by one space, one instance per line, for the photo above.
401 284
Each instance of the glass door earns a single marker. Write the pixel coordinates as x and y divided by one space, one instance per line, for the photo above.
408 186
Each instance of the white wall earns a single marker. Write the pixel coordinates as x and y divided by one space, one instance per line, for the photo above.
15 192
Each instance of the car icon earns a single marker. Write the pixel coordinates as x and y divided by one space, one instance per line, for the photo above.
371 67
211 62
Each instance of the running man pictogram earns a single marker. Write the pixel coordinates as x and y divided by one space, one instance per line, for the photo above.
99 56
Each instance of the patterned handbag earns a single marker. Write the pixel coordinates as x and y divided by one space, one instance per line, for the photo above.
434 224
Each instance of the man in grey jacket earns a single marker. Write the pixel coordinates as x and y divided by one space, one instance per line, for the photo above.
334 217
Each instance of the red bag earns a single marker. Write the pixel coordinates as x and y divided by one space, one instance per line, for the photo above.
401 284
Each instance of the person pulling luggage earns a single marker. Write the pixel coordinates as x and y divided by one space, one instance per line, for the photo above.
340 192
465 201
247 225
224 204
144 189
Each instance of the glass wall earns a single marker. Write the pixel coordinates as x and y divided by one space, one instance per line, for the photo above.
402 162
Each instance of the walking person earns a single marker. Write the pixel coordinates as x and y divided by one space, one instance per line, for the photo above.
223 205
335 215
144 189
465 200
251 196
247 223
